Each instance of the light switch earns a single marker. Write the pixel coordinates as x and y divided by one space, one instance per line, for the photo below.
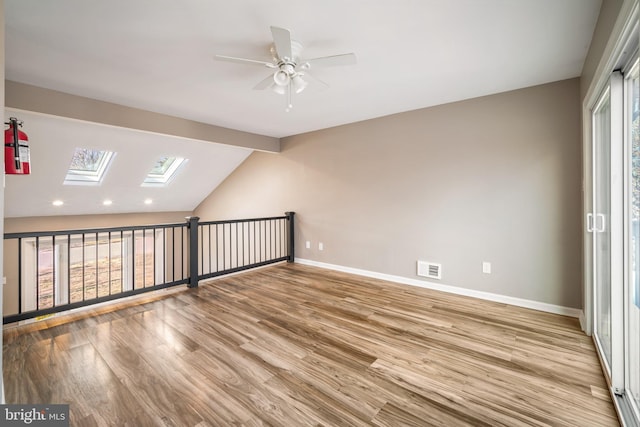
486 267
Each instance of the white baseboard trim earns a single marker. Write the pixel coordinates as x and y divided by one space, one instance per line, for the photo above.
519 302
583 321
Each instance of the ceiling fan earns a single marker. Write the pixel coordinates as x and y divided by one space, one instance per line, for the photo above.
290 70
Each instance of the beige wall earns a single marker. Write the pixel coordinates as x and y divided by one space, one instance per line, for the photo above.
492 179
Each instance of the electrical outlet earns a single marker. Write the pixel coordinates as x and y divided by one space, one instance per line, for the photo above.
486 267
308 245
320 246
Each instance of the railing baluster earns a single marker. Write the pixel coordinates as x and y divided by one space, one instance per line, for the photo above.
153 259
182 244
109 262
97 271
20 275
68 268
37 273
217 248
164 251
273 237
53 271
122 275
210 244
84 281
259 241
173 254
201 229
144 258
243 246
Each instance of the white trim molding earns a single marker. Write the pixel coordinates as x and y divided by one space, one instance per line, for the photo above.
583 321
519 302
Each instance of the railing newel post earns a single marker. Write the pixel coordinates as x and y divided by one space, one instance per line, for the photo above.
192 222
291 253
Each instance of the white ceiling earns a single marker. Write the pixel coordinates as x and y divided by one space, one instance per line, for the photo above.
157 55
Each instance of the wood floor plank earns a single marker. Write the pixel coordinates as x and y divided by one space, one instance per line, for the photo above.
292 345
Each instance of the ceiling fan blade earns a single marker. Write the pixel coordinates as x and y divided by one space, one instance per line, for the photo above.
315 80
244 61
333 60
282 40
267 82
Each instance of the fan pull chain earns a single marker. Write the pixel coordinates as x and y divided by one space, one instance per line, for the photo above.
289 103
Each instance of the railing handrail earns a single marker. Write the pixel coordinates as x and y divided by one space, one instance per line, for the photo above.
235 221
26 234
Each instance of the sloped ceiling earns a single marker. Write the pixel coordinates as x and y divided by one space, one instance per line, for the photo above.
157 55
53 141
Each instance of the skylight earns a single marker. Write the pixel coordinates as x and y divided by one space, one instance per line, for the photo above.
88 166
164 170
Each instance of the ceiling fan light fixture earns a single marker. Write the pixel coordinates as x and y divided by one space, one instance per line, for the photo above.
299 84
281 78
280 90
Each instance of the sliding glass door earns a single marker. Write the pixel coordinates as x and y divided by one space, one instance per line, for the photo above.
614 225
612 204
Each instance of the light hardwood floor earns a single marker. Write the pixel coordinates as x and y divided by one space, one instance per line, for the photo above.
293 345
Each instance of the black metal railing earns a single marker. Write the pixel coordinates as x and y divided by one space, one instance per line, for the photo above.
50 272
231 246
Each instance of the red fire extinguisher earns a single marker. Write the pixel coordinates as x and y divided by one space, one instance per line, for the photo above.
16 149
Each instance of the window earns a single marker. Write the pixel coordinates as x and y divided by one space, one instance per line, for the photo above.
163 171
88 166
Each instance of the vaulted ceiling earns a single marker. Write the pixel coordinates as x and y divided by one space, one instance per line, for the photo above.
53 141
157 55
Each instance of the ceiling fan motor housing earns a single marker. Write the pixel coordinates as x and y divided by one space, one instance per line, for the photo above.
286 66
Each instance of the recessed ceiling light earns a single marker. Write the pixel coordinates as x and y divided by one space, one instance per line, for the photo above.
58 203
107 202
148 201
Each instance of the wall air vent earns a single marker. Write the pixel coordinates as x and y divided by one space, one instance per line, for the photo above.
430 270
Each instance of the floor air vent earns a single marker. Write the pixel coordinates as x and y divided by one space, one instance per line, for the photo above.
429 269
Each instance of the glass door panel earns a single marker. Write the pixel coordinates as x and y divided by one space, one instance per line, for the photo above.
633 293
601 223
